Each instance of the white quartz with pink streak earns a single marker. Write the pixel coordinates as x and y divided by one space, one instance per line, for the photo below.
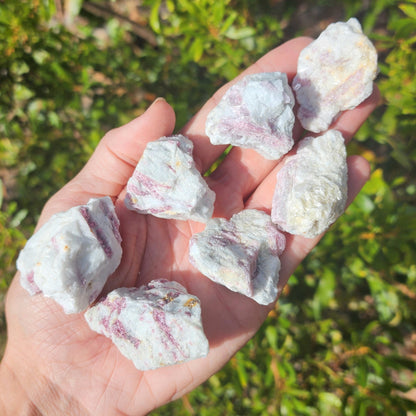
334 73
156 325
255 113
167 184
241 253
71 256
311 187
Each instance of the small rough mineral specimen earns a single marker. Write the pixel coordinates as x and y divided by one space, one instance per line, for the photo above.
71 256
335 73
311 187
167 184
241 254
256 113
156 325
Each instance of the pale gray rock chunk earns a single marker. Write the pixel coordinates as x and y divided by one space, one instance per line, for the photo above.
167 184
311 187
334 73
241 254
156 325
255 113
71 256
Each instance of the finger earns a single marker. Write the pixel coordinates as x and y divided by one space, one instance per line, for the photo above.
118 153
114 159
350 121
283 59
297 247
243 170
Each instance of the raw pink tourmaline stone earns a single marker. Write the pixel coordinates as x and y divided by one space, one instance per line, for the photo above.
167 184
255 113
71 256
334 73
241 254
156 325
311 187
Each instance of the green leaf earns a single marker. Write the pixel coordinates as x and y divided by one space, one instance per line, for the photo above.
228 22
20 68
408 10
271 336
241 372
405 27
22 93
364 203
154 16
368 249
170 4
329 404
376 184
18 218
241 33
40 56
217 11
325 291
197 49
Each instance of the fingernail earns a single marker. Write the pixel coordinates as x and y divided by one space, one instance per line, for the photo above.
158 99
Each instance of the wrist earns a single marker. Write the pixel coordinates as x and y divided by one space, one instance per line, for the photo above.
25 391
14 399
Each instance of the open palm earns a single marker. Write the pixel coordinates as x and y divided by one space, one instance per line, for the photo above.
65 368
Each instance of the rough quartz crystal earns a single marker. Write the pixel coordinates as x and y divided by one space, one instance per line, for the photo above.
71 256
167 184
255 113
241 254
311 187
335 73
156 325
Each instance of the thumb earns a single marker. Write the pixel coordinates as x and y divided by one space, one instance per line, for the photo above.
114 159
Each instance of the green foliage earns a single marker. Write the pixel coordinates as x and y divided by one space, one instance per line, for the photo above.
11 239
223 36
340 342
204 43
60 96
395 122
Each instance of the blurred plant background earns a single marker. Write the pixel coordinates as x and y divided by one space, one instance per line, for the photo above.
342 340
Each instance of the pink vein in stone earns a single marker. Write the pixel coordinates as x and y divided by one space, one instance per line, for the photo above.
147 186
96 230
114 221
266 136
156 211
116 327
116 305
118 330
160 319
30 279
55 244
226 237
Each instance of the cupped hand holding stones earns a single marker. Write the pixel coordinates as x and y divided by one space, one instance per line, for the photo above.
56 364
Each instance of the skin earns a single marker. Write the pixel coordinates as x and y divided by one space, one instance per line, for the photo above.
54 364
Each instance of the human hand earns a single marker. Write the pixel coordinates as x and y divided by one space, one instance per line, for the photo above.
54 363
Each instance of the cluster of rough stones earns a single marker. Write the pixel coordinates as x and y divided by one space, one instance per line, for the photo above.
70 258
